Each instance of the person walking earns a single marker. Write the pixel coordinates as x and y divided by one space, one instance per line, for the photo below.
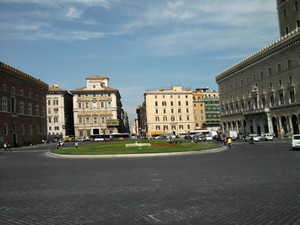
76 144
5 146
229 141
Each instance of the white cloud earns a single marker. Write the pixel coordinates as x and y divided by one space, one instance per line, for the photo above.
73 13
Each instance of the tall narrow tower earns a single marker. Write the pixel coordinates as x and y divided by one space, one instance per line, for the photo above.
288 15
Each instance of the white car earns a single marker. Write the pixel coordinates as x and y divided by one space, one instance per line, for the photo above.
254 137
296 141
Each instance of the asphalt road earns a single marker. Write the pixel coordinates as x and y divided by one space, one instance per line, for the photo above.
248 184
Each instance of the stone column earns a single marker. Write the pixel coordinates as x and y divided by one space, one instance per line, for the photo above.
270 125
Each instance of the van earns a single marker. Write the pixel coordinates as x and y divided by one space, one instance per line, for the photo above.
269 137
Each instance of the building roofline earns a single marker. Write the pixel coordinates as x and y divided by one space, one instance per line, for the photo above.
22 74
259 54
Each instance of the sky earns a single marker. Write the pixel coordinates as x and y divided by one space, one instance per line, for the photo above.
139 44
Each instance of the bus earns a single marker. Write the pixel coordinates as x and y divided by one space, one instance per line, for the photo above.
100 137
120 136
206 134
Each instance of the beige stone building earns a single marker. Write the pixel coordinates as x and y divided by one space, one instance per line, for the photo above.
261 94
59 113
97 108
167 111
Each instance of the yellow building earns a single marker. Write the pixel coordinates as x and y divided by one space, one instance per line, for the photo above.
167 111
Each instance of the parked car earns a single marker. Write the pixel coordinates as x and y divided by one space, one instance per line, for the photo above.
267 137
296 141
254 137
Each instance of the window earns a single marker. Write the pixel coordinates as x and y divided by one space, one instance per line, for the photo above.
5 129
86 105
102 104
180 127
29 109
186 103
296 6
164 103
292 96
272 100
173 127
55 119
37 130
94 105
79 105
55 102
270 71
95 119
156 103
4 87
4 104
286 30
171 103
22 130
278 67
80 120
165 118
157 127
179 102
281 99
157 118
284 14
87 120
102 119
253 77
166 127
172 118
156 111
261 74
289 64
21 107
279 83
30 130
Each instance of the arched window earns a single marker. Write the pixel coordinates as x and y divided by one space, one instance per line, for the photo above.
5 129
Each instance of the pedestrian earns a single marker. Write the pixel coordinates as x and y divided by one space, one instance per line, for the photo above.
225 141
9 149
229 141
76 144
5 146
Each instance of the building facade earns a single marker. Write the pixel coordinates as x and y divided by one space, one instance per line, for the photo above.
167 111
288 15
261 94
22 108
207 109
60 121
97 108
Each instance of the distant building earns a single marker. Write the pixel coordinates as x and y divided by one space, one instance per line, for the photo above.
60 121
97 108
166 111
22 107
207 109
261 94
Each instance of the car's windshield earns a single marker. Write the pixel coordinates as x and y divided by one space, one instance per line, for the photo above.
297 137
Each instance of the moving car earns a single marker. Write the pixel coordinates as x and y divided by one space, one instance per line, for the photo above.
267 137
296 141
255 137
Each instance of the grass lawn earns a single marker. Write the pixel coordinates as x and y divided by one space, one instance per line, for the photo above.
119 147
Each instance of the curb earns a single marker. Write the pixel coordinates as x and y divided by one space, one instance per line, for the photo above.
216 150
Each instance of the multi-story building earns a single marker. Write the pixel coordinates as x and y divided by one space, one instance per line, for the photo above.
207 109
59 113
22 107
199 108
167 111
261 94
97 108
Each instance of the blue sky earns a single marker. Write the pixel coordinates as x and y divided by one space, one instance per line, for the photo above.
138 44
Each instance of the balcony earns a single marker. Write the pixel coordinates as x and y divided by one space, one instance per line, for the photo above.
256 111
112 123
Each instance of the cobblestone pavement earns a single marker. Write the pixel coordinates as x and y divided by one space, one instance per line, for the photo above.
248 184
